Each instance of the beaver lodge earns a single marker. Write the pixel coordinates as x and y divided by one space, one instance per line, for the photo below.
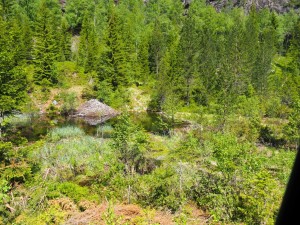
95 112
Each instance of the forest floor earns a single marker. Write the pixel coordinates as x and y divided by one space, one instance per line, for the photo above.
92 213
42 103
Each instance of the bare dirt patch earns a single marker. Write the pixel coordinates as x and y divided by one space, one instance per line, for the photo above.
92 213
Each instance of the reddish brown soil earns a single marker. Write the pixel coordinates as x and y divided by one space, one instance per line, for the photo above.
87 213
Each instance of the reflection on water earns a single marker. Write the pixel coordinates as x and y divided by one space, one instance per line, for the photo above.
37 127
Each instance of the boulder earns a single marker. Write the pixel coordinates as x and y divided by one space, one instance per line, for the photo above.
95 112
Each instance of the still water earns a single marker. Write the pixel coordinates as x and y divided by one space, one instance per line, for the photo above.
36 127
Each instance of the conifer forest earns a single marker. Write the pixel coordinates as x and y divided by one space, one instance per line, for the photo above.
147 112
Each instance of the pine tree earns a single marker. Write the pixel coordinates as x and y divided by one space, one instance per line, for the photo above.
251 44
117 52
189 53
46 48
88 46
7 7
12 77
22 37
121 46
65 41
157 47
143 59
265 53
294 50
29 7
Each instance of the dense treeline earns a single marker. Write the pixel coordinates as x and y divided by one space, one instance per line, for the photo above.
234 74
198 56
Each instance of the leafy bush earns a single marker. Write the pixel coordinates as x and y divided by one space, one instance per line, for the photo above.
159 189
69 102
68 189
258 200
52 215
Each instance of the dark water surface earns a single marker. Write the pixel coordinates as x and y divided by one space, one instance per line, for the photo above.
38 126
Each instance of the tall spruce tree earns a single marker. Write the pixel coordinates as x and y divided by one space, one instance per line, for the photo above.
294 50
189 57
117 51
46 48
65 41
88 46
12 77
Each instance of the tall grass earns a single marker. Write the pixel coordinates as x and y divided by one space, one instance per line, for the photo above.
69 152
65 132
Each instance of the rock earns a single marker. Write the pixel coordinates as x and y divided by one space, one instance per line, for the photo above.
280 6
95 112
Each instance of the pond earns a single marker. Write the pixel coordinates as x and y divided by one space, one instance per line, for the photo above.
35 127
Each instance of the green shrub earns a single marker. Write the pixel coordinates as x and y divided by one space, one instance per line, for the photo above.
68 189
52 215
159 189
69 102
258 200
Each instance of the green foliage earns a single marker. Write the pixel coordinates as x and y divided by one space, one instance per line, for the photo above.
52 111
14 165
189 149
105 131
4 188
69 73
130 143
110 218
46 50
12 77
68 189
53 215
160 189
69 102
256 201
234 75
72 154
5 148
65 132
88 46
292 129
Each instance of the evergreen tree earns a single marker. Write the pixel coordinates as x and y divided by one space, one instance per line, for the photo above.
12 77
265 53
65 41
157 47
75 12
189 57
294 50
88 46
130 143
22 37
7 7
143 59
251 45
29 7
117 54
120 43
46 48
